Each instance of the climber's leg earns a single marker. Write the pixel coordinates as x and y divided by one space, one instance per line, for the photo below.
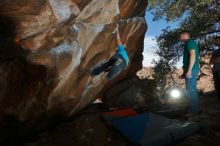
117 68
103 67
111 63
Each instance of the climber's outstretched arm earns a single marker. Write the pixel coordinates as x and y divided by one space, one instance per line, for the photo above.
119 38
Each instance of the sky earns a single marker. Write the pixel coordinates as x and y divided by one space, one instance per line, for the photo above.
150 45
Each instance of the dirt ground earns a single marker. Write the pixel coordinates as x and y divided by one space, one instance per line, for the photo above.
89 129
209 121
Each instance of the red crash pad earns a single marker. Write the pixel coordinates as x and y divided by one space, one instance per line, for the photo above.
119 114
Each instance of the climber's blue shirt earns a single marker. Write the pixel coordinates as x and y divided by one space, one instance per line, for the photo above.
121 51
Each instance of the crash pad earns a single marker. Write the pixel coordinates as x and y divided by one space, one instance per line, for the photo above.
108 116
153 130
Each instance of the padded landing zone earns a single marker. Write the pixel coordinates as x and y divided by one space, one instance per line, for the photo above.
149 129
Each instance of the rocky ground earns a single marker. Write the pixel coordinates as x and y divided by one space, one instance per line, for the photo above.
209 135
89 129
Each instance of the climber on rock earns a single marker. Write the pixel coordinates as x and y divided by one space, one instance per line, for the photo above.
117 63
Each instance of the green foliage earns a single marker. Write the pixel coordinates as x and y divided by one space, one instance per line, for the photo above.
175 9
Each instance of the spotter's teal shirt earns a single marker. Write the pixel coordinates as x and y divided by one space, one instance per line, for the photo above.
188 46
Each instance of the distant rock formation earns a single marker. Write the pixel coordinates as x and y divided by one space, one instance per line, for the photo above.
205 80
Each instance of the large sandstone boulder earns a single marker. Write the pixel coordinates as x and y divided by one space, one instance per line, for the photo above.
47 48
132 92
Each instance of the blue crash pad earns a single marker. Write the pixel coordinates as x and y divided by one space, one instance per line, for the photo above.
153 130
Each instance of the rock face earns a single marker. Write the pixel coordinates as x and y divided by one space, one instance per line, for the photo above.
132 92
47 48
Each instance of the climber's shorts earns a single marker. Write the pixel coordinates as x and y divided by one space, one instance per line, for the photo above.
114 66
118 66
